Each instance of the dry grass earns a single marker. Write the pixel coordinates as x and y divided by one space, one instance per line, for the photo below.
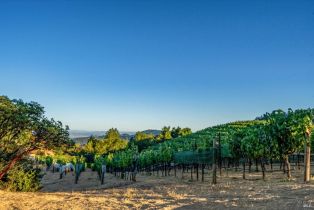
152 192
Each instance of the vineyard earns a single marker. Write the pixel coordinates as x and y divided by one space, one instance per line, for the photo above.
271 150
274 142
275 138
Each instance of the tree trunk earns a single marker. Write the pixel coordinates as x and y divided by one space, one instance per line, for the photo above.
287 163
283 165
12 162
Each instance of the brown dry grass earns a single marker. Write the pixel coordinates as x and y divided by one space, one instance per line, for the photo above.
151 192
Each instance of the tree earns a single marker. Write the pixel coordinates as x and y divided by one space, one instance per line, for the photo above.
237 148
177 132
185 132
289 131
112 133
256 145
90 145
165 133
112 142
143 140
23 129
140 136
305 120
111 145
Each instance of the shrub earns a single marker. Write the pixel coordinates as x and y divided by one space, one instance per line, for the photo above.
22 177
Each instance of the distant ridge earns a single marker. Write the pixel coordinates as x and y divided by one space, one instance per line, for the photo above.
84 133
81 136
152 131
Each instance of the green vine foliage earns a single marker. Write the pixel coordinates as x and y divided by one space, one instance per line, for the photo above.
272 136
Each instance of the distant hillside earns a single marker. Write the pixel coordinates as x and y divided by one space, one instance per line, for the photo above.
83 140
81 136
83 133
80 140
126 136
152 131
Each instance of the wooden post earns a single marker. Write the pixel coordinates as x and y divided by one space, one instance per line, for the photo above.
307 158
219 153
103 172
256 164
175 170
307 162
192 172
203 172
76 173
263 168
61 174
298 163
197 171
243 175
214 180
165 169
135 173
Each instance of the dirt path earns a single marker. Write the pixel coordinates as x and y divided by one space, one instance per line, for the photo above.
151 192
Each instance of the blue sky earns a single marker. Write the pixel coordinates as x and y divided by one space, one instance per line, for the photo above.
144 64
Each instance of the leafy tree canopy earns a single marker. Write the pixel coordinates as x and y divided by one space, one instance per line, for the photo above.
24 128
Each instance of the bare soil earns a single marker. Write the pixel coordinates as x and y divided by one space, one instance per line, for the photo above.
152 192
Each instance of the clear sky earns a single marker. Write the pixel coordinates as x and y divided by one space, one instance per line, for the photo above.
144 64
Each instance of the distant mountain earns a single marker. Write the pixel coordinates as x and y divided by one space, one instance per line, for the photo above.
126 136
152 131
80 140
81 136
83 133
